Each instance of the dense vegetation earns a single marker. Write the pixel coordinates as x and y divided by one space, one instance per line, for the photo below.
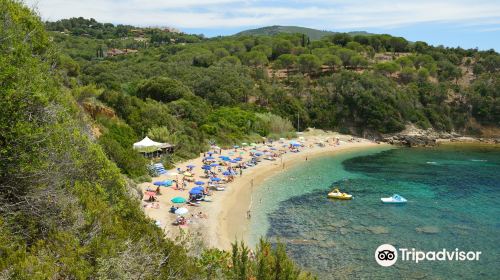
313 34
208 90
66 212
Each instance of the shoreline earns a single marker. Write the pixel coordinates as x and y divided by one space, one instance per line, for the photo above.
225 217
229 222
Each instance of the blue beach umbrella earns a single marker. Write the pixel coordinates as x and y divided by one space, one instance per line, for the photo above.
214 164
238 159
233 161
195 192
191 166
210 153
199 183
166 183
258 154
206 167
198 188
216 179
296 145
226 173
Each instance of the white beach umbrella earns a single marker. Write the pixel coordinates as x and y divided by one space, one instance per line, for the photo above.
181 211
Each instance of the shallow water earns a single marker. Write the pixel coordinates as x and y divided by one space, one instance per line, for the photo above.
453 197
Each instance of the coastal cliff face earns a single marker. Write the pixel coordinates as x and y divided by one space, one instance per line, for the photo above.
416 137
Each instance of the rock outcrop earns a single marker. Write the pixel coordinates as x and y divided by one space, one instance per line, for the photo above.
416 137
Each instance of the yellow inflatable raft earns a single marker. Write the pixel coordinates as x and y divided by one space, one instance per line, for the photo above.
339 195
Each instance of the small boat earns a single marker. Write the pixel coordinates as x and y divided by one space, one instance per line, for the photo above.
394 199
339 195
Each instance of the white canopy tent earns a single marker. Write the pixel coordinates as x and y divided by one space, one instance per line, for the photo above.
147 143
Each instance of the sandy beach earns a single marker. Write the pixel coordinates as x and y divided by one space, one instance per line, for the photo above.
226 217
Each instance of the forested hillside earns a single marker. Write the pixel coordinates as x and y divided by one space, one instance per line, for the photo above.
66 211
313 34
189 90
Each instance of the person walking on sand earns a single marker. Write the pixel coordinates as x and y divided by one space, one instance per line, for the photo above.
241 171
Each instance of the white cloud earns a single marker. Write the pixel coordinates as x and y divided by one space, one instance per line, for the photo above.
323 14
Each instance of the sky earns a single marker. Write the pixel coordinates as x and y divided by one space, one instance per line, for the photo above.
464 23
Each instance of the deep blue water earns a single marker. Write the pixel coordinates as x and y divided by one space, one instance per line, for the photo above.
453 197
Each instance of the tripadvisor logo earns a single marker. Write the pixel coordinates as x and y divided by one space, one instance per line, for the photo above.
387 255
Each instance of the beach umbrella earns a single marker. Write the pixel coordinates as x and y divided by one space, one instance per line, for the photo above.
214 164
198 189
151 193
199 183
210 153
166 183
181 211
233 161
258 154
178 199
191 166
216 147
236 146
244 144
231 153
253 144
195 191
216 179
226 173
206 167
296 145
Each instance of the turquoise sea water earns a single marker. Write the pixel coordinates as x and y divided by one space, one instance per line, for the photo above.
453 197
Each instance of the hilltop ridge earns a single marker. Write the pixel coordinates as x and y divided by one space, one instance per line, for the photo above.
313 34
